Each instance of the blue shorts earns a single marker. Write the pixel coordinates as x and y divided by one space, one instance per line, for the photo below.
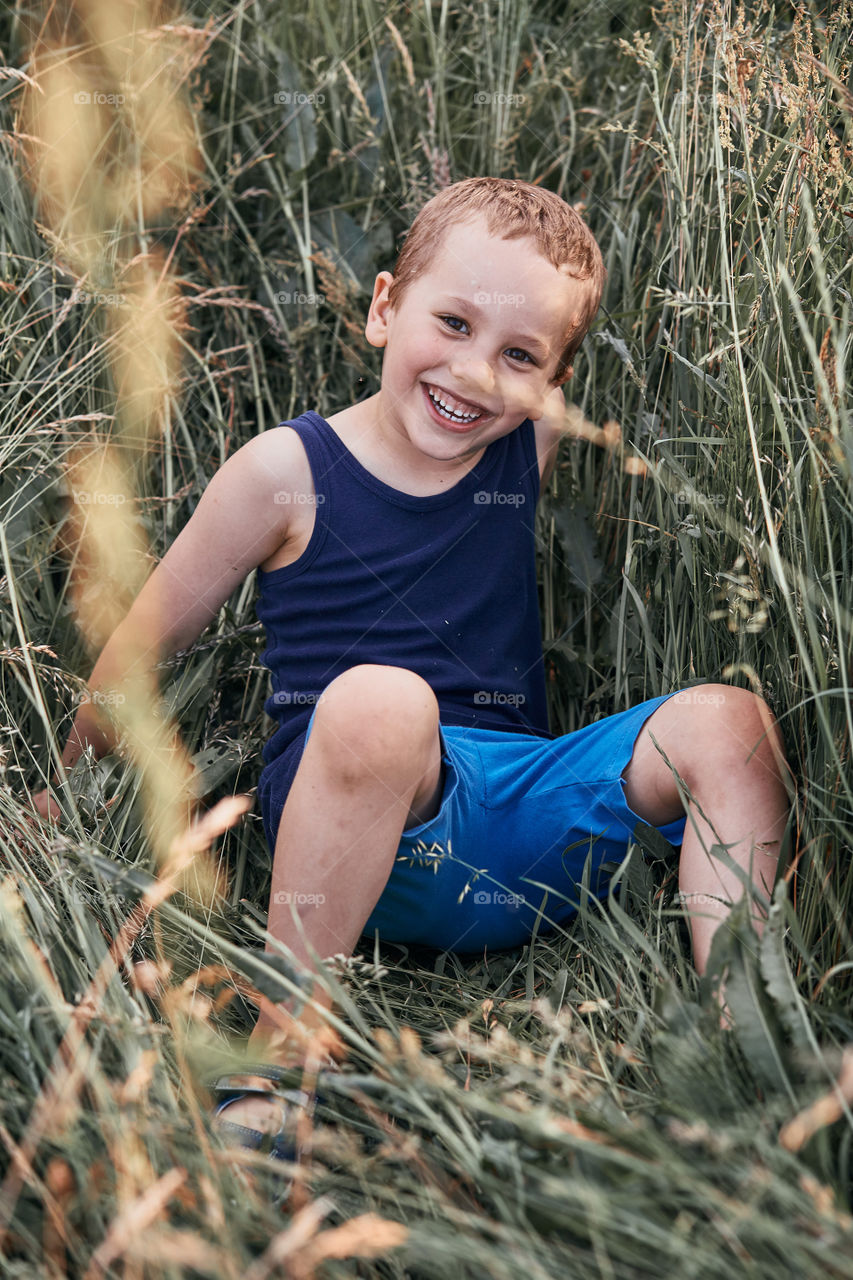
519 818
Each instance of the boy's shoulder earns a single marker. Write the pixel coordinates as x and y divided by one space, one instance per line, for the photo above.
276 457
270 445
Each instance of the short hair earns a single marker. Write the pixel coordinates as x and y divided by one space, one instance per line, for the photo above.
512 209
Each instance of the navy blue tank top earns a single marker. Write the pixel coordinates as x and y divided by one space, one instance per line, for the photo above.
444 585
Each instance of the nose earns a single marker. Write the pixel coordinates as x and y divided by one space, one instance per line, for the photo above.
478 375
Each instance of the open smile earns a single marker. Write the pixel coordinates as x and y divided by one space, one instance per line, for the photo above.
449 409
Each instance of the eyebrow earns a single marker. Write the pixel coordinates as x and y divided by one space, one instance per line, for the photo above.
527 338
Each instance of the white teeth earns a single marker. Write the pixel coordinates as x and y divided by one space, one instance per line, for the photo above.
447 412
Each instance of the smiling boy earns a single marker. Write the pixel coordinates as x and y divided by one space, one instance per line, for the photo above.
413 785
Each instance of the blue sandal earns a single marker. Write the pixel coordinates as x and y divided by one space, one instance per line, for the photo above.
230 1088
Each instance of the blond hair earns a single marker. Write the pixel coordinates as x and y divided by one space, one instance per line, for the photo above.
512 209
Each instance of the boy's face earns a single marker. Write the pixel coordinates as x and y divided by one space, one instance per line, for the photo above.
481 330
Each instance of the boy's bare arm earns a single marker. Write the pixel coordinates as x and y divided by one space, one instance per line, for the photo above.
549 431
236 526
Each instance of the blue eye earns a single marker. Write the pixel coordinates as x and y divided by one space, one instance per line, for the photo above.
453 321
517 354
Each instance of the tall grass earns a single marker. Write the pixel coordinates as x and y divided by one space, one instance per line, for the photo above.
571 1108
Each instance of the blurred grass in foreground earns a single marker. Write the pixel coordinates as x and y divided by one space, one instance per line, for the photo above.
570 1108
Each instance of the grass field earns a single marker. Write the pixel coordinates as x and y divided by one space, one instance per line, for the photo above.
193 205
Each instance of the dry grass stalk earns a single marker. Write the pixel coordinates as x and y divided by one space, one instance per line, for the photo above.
113 147
73 1061
133 1220
825 1110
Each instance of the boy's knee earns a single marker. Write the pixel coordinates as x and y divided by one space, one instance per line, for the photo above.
374 714
738 721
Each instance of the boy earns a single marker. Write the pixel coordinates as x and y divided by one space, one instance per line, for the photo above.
395 544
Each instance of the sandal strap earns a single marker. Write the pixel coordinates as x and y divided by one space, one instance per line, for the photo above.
226 1094
235 1084
277 1145
266 1070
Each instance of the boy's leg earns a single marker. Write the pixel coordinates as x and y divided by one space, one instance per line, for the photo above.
371 768
724 743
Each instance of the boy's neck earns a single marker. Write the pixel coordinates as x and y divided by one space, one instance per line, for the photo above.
392 459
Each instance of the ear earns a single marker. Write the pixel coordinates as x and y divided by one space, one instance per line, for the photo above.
376 327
